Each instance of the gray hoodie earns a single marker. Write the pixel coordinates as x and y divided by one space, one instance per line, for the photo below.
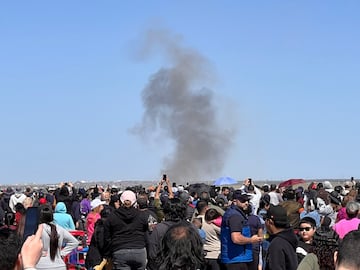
15 199
45 263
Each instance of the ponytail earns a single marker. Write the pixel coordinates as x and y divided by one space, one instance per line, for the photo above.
54 241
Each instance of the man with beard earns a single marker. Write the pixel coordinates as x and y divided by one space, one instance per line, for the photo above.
281 254
236 239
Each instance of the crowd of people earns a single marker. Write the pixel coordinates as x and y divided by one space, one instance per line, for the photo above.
192 227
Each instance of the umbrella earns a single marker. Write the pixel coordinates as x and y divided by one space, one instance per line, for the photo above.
225 180
291 182
198 188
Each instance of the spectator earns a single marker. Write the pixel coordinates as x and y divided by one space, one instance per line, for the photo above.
114 202
85 203
174 211
61 217
263 207
84 208
310 211
321 255
125 234
256 195
292 207
342 211
275 196
281 254
307 228
16 198
223 196
13 256
181 248
236 239
143 205
346 225
20 213
256 228
4 203
66 193
212 245
347 257
96 207
197 222
106 197
42 198
96 252
57 242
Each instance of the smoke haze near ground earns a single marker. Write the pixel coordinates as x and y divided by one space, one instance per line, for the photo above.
178 103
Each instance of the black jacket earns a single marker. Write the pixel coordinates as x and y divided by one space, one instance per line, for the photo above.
62 195
302 250
154 242
96 249
125 229
281 254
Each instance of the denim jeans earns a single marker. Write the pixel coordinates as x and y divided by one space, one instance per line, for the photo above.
130 259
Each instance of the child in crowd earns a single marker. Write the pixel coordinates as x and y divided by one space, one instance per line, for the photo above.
213 216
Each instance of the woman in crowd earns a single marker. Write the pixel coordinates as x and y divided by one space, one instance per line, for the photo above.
181 248
96 207
62 218
57 242
125 235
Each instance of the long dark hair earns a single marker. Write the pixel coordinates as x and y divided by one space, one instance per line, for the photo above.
174 210
325 244
46 216
181 248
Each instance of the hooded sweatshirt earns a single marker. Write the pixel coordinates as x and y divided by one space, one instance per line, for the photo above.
125 229
63 219
282 251
15 199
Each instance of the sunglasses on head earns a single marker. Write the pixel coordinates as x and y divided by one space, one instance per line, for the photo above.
305 229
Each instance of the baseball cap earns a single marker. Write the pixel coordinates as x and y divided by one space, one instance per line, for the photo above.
128 195
278 214
242 197
95 203
308 220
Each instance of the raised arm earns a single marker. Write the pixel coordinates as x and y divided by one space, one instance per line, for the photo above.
171 193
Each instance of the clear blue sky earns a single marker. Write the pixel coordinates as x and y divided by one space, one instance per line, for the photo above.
71 87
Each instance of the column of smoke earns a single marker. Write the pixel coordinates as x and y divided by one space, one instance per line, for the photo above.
176 101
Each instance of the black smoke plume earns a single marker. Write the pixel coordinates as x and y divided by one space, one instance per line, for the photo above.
177 102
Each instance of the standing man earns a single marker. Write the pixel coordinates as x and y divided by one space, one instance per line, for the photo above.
275 196
236 239
281 254
347 258
223 196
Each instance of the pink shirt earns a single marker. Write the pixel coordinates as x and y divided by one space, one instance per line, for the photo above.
90 225
346 225
342 214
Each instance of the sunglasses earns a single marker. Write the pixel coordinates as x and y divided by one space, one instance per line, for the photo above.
305 229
